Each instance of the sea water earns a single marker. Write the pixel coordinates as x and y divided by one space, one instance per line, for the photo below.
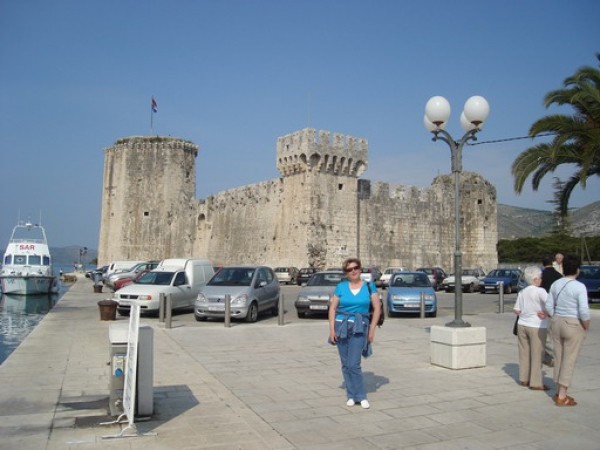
19 314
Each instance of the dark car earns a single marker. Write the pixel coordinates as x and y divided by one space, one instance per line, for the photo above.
508 277
304 275
590 276
435 274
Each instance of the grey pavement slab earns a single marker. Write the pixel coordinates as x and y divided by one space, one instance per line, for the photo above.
264 386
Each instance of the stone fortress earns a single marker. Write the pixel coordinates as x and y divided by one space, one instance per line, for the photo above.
317 214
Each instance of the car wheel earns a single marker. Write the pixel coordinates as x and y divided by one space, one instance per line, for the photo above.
123 312
391 314
301 315
252 313
470 289
201 318
275 309
508 289
433 314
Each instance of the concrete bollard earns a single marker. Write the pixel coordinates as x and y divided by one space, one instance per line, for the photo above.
281 310
422 305
161 307
227 311
501 297
168 311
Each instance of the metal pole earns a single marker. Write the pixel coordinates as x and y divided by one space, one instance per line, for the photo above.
422 305
280 309
168 312
161 307
501 297
227 311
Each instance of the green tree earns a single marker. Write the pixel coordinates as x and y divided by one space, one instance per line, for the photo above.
576 138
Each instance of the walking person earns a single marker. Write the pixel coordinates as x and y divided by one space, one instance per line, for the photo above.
567 304
532 329
549 276
350 328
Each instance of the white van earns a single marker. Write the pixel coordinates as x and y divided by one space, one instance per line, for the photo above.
180 278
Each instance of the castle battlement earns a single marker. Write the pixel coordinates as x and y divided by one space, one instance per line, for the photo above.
153 143
303 151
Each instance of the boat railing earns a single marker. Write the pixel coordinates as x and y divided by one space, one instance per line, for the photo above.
28 241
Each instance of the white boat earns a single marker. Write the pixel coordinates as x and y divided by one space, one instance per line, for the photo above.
27 265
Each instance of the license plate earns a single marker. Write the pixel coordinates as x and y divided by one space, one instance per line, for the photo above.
124 303
412 305
216 308
319 307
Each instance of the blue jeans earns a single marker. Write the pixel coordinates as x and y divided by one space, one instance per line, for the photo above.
350 350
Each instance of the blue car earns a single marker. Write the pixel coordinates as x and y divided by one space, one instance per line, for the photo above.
509 277
590 276
404 294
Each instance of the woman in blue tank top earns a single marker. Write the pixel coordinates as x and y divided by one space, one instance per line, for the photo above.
350 328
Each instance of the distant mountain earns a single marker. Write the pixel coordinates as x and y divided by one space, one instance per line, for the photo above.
70 255
514 222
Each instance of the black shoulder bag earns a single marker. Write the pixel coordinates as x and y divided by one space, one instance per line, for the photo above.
382 315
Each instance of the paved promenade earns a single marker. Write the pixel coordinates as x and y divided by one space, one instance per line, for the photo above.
264 386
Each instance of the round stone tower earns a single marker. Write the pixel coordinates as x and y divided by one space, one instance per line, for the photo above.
148 187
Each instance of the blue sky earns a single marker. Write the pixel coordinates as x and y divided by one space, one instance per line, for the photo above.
232 76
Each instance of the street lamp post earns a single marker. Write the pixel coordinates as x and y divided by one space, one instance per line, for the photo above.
475 112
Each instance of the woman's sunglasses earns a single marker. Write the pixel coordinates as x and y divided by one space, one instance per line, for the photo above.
350 269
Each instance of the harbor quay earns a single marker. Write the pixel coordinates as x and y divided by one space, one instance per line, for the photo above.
279 387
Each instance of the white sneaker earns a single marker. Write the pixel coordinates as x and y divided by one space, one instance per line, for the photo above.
350 402
365 404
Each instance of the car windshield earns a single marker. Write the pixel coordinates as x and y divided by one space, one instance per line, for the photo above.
233 276
470 272
325 279
158 278
589 273
499 273
410 280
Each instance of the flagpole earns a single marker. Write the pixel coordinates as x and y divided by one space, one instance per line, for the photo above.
151 117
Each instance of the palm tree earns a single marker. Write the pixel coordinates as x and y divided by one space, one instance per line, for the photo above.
576 138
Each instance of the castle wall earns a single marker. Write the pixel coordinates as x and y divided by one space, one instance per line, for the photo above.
317 214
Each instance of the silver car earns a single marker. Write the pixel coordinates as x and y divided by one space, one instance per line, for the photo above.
315 296
252 289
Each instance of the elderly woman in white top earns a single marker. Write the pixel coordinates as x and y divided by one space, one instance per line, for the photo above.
567 303
532 329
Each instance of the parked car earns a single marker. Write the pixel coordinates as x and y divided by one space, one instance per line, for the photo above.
126 281
508 277
304 275
371 274
590 276
316 295
436 276
252 289
471 279
118 266
129 274
286 275
180 279
387 274
404 294
97 272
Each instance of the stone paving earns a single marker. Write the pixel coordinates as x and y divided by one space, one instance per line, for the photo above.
264 386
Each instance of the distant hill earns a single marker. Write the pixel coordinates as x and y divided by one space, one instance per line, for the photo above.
514 222
70 255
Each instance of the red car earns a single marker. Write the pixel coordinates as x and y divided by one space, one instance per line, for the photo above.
126 281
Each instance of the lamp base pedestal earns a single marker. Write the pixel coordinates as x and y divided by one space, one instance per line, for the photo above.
458 348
